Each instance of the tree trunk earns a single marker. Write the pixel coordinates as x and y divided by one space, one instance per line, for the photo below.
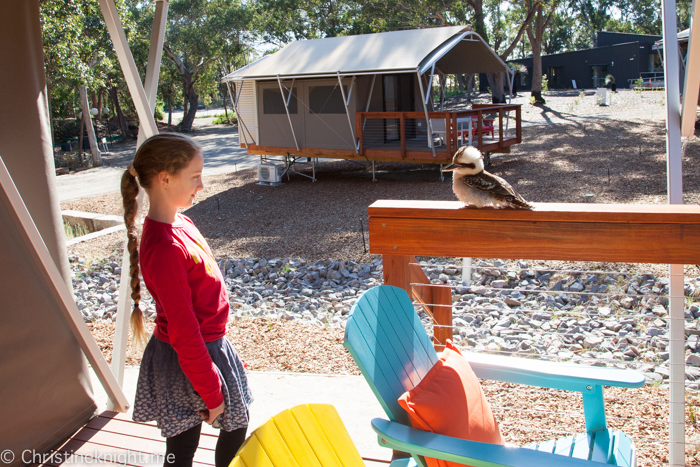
123 125
87 118
80 139
496 85
469 86
535 33
191 100
170 110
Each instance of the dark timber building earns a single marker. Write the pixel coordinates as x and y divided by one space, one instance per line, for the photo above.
625 56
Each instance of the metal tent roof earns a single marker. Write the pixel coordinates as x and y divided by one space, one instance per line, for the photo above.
453 49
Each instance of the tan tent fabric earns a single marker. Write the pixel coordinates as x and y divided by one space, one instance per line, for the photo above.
46 392
385 52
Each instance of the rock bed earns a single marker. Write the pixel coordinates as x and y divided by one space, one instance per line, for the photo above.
603 318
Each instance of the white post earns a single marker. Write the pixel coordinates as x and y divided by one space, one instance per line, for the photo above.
427 118
126 61
155 54
467 271
675 196
149 127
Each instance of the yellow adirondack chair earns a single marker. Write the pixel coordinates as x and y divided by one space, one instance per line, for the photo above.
310 435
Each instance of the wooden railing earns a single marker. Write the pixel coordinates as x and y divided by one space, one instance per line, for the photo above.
402 230
447 127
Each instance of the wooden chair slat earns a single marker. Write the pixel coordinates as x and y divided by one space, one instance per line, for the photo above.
295 439
582 446
390 344
601 450
303 436
328 422
253 454
420 351
623 450
564 446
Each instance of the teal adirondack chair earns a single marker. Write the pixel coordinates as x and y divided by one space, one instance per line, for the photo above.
387 340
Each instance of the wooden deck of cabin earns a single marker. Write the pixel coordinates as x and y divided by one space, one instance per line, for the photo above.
112 438
403 136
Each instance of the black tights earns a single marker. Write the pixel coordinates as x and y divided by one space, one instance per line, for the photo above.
180 448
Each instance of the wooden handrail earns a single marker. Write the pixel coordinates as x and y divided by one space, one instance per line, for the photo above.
628 233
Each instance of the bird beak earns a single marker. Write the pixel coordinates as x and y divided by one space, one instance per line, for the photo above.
449 168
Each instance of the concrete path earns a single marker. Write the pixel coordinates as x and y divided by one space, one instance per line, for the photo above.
274 392
222 154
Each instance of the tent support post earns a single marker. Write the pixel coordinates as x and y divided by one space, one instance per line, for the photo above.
430 84
369 98
57 287
148 123
427 118
126 61
286 108
234 102
674 169
347 110
155 53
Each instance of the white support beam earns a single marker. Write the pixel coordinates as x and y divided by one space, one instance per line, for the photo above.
54 283
691 86
126 61
675 196
286 108
346 101
234 102
155 55
427 118
148 128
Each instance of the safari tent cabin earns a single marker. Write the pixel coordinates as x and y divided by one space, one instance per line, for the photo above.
369 97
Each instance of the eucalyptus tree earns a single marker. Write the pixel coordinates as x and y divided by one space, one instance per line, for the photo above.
535 33
78 53
198 34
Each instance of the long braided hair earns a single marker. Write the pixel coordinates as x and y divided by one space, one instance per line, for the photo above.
169 152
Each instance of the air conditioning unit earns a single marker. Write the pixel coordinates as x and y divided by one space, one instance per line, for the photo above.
270 173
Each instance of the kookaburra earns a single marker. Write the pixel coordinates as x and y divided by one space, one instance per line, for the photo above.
476 187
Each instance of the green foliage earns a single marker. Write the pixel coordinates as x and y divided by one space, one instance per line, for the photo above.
545 84
532 100
609 79
221 119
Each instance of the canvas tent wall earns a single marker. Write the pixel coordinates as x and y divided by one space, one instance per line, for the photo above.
45 387
46 392
293 98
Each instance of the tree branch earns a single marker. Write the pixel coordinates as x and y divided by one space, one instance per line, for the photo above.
530 15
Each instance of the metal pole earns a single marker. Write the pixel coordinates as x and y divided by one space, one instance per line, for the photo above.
347 111
675 196
427 118
286 109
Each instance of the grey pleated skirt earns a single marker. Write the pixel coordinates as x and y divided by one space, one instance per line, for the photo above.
165 395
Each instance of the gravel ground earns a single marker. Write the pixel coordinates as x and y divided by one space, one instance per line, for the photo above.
571 147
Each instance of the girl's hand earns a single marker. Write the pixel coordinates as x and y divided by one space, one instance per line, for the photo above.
210 415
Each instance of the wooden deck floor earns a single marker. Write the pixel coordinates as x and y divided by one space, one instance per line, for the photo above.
113 439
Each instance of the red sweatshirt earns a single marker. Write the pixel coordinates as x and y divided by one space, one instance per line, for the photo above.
191 300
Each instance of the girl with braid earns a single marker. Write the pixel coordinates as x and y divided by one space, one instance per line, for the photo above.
189 371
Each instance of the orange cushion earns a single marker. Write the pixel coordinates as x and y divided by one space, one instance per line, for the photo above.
449 401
